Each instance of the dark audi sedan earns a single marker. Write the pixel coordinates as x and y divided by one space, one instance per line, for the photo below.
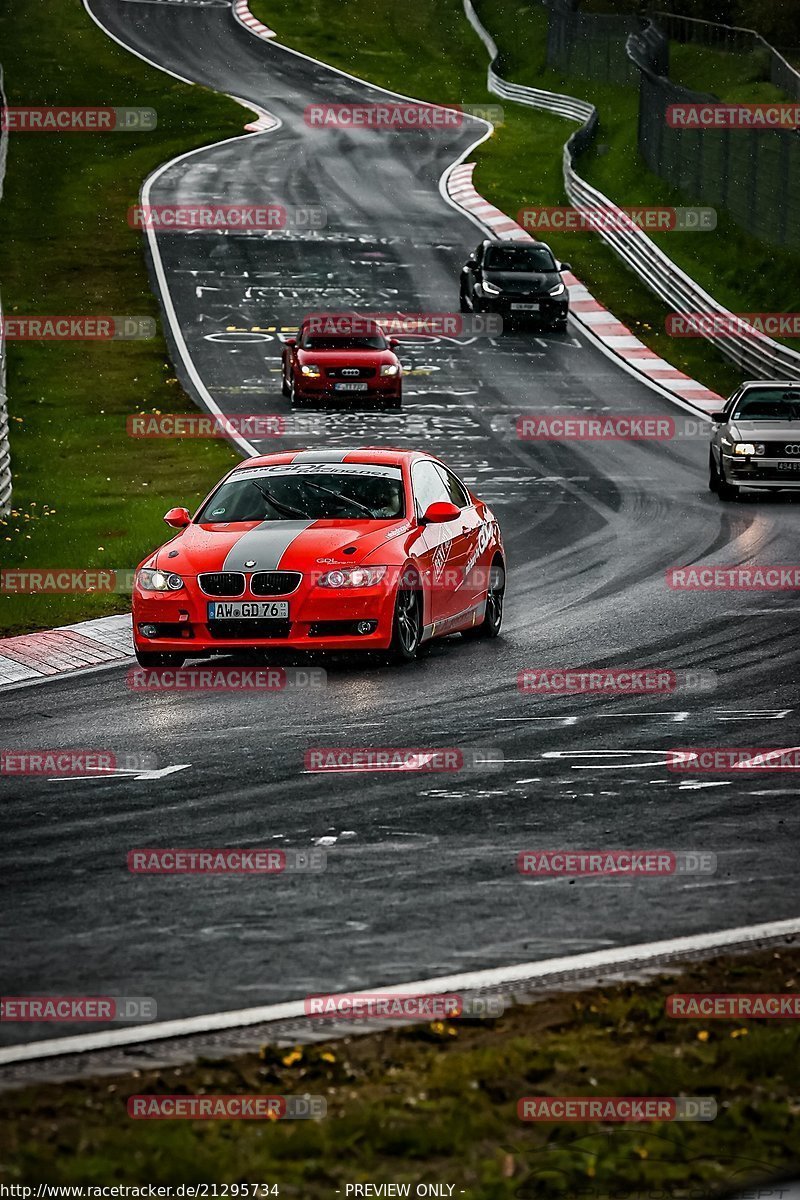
518 280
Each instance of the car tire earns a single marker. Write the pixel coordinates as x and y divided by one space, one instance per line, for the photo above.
463 305
727 492
395 402
713 473
286 387
493 617
406 624
296 401
559 326
151 658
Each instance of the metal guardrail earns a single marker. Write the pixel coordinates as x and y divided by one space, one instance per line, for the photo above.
5 451
756 355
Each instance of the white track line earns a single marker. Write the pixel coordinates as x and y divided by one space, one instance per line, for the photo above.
470 981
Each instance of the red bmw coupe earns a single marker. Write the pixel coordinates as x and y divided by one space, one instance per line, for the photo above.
367 549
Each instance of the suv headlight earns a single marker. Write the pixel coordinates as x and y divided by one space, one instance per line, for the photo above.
353 577
557 290
311 371
390 369
491 288
159 581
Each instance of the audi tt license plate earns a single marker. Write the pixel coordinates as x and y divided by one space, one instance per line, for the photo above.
525 307
350 387
789 466
259 610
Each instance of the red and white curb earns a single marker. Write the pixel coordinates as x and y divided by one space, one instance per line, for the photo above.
50 652
243 15
600 324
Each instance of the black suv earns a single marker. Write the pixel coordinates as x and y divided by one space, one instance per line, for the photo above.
516 279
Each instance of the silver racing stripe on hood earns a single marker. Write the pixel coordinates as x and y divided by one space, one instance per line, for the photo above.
265 545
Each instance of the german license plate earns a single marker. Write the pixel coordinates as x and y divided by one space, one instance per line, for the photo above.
260 610
525 307
350 387
789 466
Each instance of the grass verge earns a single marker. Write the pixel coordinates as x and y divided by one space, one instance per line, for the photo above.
85 494
438 1103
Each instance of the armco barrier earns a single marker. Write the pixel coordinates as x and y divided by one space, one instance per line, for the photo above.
5 452
757 356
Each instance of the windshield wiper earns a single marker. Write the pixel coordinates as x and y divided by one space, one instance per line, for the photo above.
338 496
285 510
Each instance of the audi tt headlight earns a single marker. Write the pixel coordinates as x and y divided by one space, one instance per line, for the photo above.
353 577
390 369
557 290
311 371
159 581
742 448
491 288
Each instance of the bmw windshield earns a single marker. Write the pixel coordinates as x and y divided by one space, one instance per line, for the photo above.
311 492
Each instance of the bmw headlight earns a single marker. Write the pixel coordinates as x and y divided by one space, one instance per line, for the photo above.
353 577
557 290
491 288
159 581
390 369
310 370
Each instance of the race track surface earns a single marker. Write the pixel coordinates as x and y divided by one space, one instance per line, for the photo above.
421 875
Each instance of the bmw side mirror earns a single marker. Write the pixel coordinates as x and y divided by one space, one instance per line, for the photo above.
439 512
178 518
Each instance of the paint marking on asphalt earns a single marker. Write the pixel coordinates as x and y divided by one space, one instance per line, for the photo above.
557 969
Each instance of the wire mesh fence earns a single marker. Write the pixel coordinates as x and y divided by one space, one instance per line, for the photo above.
589 44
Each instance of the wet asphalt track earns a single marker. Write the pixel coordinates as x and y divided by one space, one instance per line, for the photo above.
421 877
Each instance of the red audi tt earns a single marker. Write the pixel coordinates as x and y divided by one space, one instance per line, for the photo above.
324 549
342 359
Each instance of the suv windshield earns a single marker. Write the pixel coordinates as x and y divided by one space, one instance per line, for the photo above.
311 341
519 258
350 491
771 404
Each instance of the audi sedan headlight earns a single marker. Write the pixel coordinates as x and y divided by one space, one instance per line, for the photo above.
353 577
491 288
311 371
390 369
159 581
557 290
742 448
